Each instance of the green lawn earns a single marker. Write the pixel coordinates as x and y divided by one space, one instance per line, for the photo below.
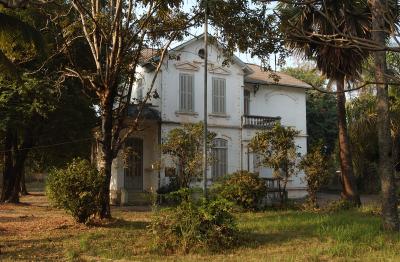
265 236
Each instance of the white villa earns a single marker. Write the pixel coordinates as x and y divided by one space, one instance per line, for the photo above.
242 100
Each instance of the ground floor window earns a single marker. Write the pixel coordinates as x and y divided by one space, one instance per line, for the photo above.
220 158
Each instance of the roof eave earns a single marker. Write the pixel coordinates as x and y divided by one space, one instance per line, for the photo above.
276 83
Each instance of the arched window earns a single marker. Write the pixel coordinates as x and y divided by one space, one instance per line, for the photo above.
220 158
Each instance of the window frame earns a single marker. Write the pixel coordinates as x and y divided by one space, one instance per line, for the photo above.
219 149
218 96
185 102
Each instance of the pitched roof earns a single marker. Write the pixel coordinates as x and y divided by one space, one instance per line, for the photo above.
148 53
259 76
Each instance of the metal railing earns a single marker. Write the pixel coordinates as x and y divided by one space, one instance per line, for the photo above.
264 122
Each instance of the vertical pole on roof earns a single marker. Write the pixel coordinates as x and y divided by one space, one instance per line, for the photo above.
205 99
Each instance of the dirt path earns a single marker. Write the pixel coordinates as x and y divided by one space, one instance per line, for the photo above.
26 229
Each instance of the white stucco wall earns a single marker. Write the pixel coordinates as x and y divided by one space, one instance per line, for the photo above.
151 155
289 103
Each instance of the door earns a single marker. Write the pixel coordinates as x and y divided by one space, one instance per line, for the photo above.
133 172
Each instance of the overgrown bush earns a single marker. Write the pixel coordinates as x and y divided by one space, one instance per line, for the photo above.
172 186
316 166
193 225
338 205
76 188
243 188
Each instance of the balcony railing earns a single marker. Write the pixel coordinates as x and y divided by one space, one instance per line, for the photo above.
263 122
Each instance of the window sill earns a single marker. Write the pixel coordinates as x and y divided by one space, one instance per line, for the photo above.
219 115
186 113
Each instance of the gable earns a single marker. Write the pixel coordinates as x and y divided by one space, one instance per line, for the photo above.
219 71
189 51
187 66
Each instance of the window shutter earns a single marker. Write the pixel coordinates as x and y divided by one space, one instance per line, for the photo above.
186 93
219 95
220 154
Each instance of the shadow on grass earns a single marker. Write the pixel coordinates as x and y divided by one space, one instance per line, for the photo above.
39 249
119 223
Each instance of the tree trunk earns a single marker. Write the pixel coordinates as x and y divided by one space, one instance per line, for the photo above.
386 172
349 185
24 190
8 174
106 156
14 162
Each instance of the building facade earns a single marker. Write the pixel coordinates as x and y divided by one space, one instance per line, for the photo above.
242 98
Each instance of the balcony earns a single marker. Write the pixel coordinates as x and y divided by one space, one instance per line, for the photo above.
262 122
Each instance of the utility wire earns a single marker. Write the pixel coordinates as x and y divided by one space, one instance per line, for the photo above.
48 146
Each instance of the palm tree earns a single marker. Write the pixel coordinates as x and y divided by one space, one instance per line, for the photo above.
317 30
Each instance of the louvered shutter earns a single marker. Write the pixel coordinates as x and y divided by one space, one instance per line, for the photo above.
186 93
219 95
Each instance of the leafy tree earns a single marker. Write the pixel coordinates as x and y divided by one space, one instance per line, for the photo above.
184 146
278 151
361 115
19 42
305 28
22 105
33 107
24 99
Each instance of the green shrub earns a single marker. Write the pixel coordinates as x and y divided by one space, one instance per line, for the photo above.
338 205
172 186
76 188
243 188
194 225
316 166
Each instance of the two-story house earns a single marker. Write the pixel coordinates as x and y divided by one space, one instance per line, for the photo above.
242 100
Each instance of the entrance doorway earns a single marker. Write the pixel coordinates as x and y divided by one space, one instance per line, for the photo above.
133 171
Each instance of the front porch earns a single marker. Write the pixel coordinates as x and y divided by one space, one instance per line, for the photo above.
135 171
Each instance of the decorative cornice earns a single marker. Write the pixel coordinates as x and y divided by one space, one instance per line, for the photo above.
187 66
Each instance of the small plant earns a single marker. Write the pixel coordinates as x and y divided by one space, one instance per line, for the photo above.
338 205
278 150
193 225
76 189
184 146
243 188
316 167
172 186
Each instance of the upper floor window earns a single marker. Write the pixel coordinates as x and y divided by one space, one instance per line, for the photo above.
186 93
218 95
139 90
246 102
220 155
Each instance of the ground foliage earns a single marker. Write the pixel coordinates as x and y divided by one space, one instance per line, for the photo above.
193 226
317 168
243 188
76 188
